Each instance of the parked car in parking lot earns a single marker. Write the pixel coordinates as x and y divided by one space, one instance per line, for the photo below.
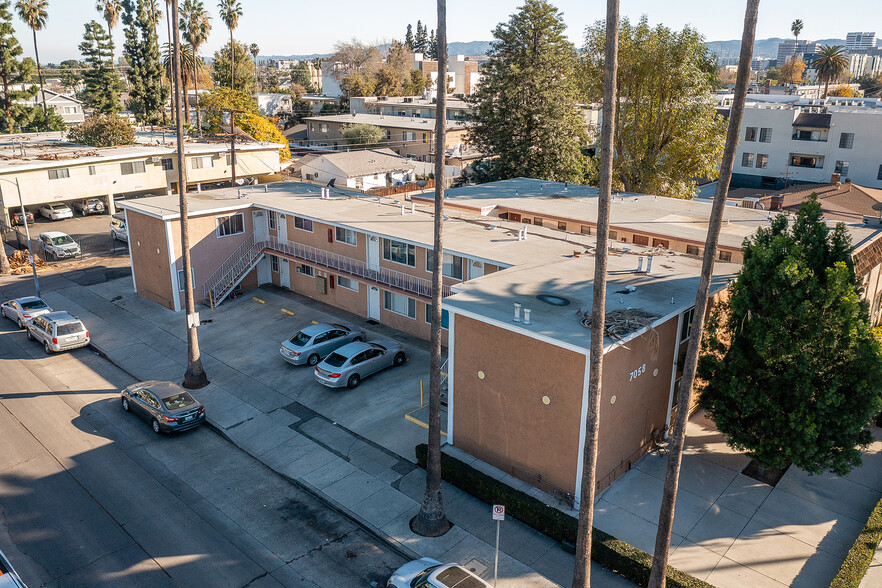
56 211
18 219
165 405
57 331
431 573
89 206
314 342
22 310
118 229
58 245
9 578
350 364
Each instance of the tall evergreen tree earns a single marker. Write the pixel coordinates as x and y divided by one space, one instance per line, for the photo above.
432 46
408 37
419 42
148 95
12 73
525 107
101 79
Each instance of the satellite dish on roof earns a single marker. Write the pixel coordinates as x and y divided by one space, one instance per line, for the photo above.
877 206
422 183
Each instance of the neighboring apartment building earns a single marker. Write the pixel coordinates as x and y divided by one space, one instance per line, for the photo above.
463 74
49 169
413 138
859 41
410 106
361 170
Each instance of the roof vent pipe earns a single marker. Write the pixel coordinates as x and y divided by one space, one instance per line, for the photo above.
265 188
640 264
648 264
527 312
517 312
402 209
413 208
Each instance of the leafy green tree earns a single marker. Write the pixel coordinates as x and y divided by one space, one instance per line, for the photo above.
408 37
773 74
363 136
792 372
525 108
147 94
44 121
33 13
871 85
244 67
102 80
69 71
106 130
667 129
214 103
831 63
300 76
13 73
263 129
432 46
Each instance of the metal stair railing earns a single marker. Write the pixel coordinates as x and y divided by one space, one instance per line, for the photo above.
223 277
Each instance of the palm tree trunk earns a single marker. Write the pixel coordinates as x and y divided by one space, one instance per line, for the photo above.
826 86
431 520
174 91
195 376
40 75
232 58
582 566
658 574
110 36
196 87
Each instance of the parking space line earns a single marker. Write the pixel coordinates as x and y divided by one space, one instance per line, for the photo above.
409 417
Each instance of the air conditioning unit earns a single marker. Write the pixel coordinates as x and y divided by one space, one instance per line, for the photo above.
321 284
155 159
750 202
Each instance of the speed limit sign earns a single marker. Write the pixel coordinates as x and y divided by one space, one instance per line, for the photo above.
498 512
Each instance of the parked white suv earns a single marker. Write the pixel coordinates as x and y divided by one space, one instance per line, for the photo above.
58 245
56 211
57 331
89 206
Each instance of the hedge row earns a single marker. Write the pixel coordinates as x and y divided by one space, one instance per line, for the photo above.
611 553
861 553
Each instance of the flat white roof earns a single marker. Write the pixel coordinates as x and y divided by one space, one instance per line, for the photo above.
391 121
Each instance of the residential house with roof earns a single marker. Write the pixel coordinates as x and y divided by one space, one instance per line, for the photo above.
362 170
67 107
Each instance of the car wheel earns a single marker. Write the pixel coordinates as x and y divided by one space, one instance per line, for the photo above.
313 359
125 403
20 323
353 381
400 358
358 339
155 425
46 347
30 337
3 311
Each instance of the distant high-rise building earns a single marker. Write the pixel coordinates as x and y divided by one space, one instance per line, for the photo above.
859 41
789 49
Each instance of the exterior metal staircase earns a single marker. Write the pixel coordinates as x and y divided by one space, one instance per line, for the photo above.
221 283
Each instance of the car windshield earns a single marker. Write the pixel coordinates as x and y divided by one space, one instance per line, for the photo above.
63 240
421 579
457 576
70 328
335 360
33 305
300 339
176 401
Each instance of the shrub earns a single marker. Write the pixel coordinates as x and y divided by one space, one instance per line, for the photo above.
262 129
105 130
611 553
861 553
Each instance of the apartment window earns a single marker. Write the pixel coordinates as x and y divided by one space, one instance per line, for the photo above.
132 167
765 135
762 160
399 304
561 226
201 162
92 170
408 136
323 127
613 235
451 265
272 219
846 140
537 221
445 317
686 325
388 134
230 225
181 284
274 263
167 164
229 159
841 168
57 174
585 229
399 252
425 137
347 283
304 224
312 127
693 250
879 174
306 270
747 160
750 134
806 161
641 240
347 236
725 256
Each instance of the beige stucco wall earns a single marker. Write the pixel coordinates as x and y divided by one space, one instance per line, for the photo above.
150 258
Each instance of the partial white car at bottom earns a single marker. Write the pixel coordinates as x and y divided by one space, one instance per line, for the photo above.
431 573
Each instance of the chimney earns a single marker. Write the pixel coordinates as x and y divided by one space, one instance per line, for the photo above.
777 202
834 179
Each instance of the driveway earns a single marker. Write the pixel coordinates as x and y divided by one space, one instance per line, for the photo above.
734 531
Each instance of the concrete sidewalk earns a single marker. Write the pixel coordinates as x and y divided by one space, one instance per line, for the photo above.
379 487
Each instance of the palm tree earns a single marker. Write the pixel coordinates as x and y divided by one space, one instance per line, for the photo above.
187 63
830 64
431 520
195 376
33 13
111 10
230 11
684 395
582 567
796 28
195 25
255 50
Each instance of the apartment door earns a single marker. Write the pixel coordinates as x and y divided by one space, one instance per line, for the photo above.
284 274
476 269
373 259
283 229
374 303
261 228
264 271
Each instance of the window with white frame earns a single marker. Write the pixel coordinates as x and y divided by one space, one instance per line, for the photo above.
846 140
451 265
274 263
347 236
323 127
445 317
408 136
686 325
399 304
167 164
399 252
347 283
272 219
181 284
132 167
306 270
57 174
229 159
92 170
230 225
762 160
202 162
747 160
304 224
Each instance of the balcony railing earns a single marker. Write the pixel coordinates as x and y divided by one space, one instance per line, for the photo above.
796 137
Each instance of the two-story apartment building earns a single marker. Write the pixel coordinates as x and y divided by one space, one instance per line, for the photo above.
67 107
408 137
362 170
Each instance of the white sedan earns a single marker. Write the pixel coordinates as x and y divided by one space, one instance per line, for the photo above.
429 572
22 310
56 211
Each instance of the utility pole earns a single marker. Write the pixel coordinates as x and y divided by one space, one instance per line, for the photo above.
233 141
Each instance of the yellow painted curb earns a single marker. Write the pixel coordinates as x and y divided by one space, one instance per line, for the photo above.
315 322
416 421
286 311
256 299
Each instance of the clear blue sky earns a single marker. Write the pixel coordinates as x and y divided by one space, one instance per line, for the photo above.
284 27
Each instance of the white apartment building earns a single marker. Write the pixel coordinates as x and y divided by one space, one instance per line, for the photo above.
788 140
859 41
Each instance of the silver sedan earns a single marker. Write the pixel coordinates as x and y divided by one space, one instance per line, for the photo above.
314 342
350 364
21 310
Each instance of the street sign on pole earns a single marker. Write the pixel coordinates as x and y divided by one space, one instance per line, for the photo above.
498 512
498 516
